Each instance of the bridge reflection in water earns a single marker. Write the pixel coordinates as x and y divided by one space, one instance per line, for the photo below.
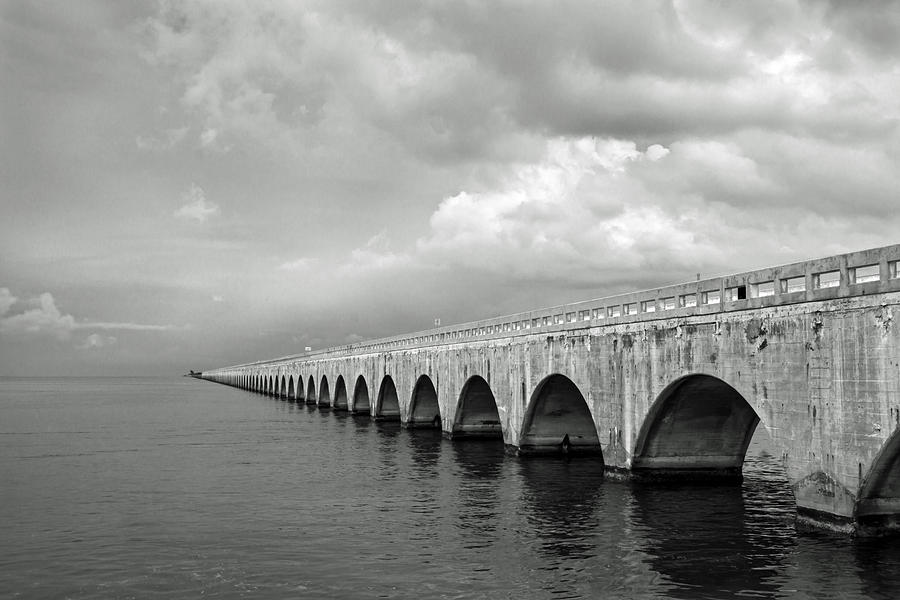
669 383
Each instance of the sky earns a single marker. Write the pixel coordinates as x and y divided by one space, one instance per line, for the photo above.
189 185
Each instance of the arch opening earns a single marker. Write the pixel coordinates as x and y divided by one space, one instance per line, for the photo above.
324 393
476 413
270 389
301 389
698 427
340 394
877 511
558 421
387 408
282 391
291 393
361 405
311 397
424 411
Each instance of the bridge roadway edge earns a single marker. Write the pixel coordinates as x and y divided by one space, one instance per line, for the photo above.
821 376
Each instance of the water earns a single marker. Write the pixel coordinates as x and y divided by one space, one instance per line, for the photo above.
137 488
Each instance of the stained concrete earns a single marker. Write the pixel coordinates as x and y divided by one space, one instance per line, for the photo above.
670 394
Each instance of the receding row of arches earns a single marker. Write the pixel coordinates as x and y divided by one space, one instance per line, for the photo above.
698 425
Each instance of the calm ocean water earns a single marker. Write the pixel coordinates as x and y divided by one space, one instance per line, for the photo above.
179 488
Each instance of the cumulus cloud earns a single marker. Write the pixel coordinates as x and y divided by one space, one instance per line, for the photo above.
594 210
95 340
6 300
376 255
42 317
196 207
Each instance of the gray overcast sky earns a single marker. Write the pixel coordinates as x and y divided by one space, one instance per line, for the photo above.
195 184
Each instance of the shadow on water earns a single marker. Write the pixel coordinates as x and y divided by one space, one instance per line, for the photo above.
878 566
560 498
361 422
386 467
714 541
425 447
479 459
478 466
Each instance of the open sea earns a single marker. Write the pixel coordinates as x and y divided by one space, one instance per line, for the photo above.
181 488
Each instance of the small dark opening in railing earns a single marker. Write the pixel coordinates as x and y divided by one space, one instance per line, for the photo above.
742 292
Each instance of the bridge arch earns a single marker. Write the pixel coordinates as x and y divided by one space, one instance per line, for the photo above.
476 411
291 390
324 393
361 404
340 394
311 397
271 385
387 407
301 395
698 426
424 411
283 391
878 507
558 420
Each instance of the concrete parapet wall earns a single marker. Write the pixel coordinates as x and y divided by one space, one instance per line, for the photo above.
673 396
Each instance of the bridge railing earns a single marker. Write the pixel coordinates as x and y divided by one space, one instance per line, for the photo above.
859 273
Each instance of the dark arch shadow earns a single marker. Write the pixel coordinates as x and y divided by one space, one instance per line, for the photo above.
425 448
476 412
324 393
270 388
311 397
301 391
282 390
480 464
361 405
340 394
558 421
424 412
561 500
698 428
685 530
878 508
387 408
291 390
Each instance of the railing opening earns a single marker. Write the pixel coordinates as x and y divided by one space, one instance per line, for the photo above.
828 279
865 274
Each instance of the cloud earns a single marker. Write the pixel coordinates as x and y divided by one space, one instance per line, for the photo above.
450 83
95 340
125 326
196 206
601 210
375 256
217 298
300 264
6 300
44 318
168 140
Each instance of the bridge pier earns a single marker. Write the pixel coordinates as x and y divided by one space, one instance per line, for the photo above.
663 384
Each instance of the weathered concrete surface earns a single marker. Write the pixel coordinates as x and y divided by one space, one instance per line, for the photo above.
677 396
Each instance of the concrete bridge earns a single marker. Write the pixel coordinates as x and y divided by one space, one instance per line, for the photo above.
669 382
